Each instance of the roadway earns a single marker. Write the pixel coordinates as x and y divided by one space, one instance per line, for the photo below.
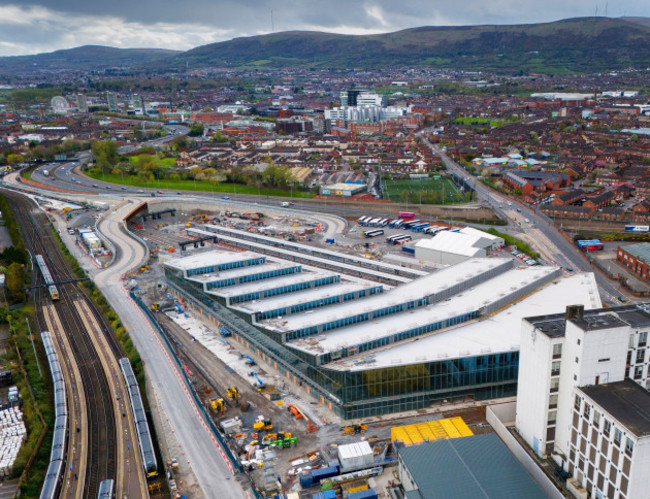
201 453
537 227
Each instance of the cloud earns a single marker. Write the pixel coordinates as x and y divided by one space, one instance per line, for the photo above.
32 26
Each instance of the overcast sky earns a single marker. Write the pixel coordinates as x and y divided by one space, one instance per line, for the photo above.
33 26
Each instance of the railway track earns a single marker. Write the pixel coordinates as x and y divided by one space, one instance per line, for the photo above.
101 454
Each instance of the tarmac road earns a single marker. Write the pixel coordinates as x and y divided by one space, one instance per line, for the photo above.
208 465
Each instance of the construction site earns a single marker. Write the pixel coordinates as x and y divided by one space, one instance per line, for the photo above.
284 439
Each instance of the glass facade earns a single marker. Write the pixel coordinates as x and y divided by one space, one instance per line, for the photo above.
257 276
208 269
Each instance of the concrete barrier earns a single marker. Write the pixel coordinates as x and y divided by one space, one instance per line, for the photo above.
507 411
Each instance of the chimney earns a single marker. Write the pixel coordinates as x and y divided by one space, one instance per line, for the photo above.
574 312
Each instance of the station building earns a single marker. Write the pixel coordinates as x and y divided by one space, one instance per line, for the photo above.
365 346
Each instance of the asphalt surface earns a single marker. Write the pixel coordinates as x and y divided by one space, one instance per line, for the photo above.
540 228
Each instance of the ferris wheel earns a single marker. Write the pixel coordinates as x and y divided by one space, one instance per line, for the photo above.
59 105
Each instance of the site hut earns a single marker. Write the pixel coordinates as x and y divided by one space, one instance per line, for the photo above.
364 348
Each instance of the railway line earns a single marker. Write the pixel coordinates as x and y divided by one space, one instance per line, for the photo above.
100 446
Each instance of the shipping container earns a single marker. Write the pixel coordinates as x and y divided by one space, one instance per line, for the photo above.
364 494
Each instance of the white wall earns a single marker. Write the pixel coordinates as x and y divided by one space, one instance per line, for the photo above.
600 353
533 385
639 477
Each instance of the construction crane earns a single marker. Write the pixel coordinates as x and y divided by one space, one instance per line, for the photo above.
298 412
233 393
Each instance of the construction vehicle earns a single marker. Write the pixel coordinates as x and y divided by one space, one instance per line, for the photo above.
217 405
249 360
269 437
259 384
355 429
201 218
289 442
188 225
171 249
264 424
233 393
155 306
65 210
144 268
298 412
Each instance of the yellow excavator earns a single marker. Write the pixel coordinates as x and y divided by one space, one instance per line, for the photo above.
233 393
217 404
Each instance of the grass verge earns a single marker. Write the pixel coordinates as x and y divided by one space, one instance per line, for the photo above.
513 241
199 185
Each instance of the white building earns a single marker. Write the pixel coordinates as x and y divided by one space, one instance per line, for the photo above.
565 355
366 113
609 452
447 247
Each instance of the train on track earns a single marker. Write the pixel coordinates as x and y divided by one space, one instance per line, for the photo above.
51 288
106 489
141 424
57 454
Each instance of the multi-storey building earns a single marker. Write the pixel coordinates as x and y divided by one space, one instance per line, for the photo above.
586 357
370 338
609 449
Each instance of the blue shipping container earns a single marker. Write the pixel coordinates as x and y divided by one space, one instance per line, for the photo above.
328 494
364 494
319 473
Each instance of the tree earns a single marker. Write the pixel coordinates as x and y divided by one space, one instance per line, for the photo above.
14 281
106 155
196 130
13 159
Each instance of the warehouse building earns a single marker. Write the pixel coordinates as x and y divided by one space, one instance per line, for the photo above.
448 247
364 347
474 466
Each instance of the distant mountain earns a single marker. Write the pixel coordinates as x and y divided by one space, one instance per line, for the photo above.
88 57
571 45
643 21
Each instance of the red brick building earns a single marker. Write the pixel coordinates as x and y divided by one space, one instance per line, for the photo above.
636 257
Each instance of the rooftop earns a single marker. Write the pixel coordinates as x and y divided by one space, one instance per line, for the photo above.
454 344
241 271
553 325
640 251
598 321
210 258
498 333
452 242
626 401
475 466
414 290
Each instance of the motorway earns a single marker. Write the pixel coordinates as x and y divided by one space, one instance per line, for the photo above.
537 227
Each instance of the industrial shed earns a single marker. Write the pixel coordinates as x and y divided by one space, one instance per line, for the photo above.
469 467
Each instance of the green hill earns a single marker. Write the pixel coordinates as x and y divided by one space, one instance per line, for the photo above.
88 57
576 45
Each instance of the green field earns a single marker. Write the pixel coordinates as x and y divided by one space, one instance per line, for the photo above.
425 191
199 185
480 121
169 162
